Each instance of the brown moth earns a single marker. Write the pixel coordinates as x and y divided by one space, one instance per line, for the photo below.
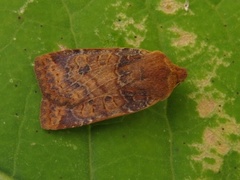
84 86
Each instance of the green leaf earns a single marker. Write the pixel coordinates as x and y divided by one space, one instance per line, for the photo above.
193 134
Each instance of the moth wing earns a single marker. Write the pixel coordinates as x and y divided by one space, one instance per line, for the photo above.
84 86
54 116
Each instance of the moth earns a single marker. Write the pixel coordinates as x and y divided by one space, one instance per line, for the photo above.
85 86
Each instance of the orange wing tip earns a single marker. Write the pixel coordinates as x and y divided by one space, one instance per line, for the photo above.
181 74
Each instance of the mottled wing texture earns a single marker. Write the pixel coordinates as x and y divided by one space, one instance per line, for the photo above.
83 86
